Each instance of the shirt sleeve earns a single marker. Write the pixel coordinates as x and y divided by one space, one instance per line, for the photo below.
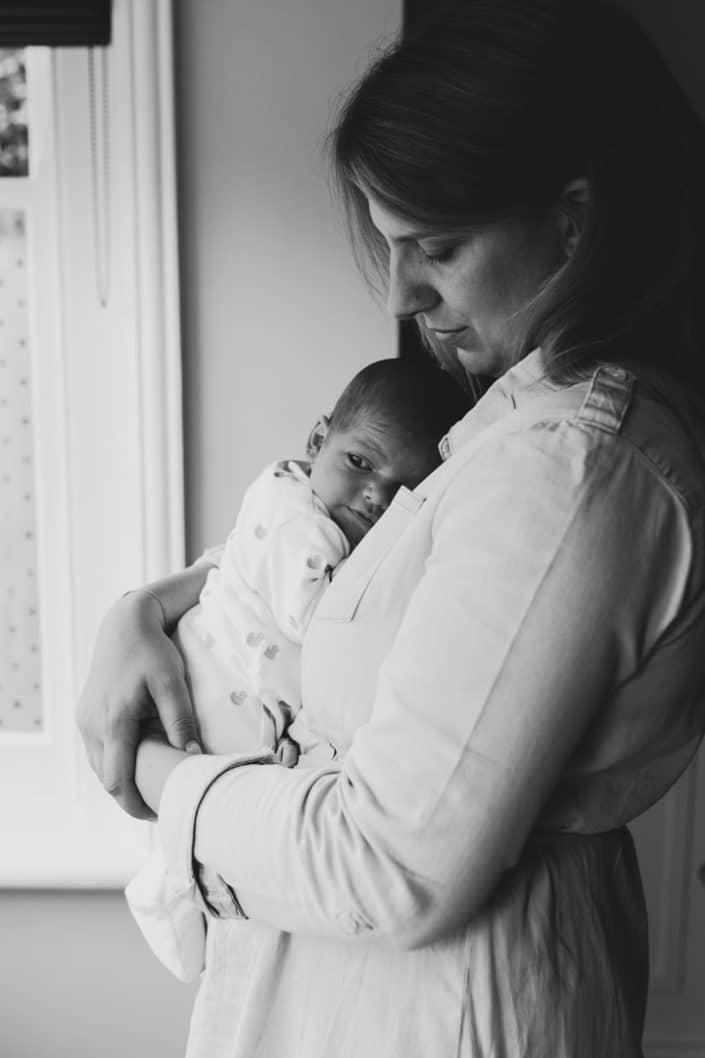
551 577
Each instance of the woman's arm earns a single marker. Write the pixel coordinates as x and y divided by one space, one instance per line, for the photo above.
136 680
540 595
177 593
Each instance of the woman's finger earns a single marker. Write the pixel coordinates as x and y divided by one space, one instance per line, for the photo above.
94 752
173 704
118 768
90 732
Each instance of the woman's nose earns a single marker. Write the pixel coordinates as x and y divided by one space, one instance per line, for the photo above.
407 293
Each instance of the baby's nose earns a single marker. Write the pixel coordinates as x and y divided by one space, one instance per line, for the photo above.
379 495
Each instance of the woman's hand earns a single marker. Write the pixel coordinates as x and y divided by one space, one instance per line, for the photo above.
136 683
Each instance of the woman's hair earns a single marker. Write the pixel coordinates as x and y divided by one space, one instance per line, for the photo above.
412 397
487 110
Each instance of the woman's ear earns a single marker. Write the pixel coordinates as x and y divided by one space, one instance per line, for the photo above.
572 211
317 437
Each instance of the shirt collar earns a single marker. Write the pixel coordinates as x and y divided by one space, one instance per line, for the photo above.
521 383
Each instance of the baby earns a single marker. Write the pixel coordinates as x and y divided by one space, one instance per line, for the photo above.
241 643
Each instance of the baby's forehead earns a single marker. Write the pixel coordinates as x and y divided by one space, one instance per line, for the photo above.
373 429
383 437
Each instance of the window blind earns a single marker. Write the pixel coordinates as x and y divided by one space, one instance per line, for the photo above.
78 22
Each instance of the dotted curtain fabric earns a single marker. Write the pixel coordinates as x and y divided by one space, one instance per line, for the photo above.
20 684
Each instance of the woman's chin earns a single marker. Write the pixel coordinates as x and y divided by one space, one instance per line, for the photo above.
478 360
472 360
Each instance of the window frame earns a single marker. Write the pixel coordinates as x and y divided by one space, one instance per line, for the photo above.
100 204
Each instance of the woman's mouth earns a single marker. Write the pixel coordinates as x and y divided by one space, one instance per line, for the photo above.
449 337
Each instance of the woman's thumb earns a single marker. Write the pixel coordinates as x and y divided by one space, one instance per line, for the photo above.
173 704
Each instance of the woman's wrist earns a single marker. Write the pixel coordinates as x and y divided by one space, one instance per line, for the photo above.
169 598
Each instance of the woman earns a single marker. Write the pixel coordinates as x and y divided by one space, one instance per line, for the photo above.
509 668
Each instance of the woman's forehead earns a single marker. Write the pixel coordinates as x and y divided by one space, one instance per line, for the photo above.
393 225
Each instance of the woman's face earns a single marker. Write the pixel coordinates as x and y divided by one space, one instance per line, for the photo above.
468 289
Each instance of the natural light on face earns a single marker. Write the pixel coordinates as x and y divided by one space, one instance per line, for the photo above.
469 289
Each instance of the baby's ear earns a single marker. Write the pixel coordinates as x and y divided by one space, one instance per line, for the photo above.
317 437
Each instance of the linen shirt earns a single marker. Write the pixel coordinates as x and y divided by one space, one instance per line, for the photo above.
514 652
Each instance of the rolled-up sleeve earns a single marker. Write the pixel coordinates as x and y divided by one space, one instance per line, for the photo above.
559 559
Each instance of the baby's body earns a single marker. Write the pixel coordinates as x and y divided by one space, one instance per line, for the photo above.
241 644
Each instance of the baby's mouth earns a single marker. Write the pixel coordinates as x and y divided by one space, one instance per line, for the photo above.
365 518
355 524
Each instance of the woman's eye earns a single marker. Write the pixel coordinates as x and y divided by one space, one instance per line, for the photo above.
440 256
359 462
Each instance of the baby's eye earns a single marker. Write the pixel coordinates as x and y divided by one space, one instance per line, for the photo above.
359 462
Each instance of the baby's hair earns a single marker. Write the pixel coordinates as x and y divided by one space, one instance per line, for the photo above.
414 397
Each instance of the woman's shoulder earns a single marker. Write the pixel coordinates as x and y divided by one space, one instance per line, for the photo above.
666 425
621 415
609 446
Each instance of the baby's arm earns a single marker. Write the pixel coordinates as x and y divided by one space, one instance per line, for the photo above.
155 762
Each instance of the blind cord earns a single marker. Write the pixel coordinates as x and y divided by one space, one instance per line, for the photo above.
100 168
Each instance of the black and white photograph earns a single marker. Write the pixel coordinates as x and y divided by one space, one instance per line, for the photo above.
352 529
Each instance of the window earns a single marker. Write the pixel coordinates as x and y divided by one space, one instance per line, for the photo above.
20 667
90 415
14 151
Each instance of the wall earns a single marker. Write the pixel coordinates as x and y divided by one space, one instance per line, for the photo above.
76 981
678 29
275 319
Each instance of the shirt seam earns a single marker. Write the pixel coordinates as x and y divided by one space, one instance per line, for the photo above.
658 471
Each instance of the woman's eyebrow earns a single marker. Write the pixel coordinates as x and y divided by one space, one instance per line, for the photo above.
414 236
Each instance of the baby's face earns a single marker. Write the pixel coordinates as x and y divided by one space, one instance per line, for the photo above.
358 471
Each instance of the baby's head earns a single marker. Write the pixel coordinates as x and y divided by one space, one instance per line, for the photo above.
383 432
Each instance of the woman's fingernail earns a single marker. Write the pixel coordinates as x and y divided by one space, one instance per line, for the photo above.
193 747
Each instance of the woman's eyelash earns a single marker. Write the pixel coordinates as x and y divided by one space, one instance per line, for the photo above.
440 256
